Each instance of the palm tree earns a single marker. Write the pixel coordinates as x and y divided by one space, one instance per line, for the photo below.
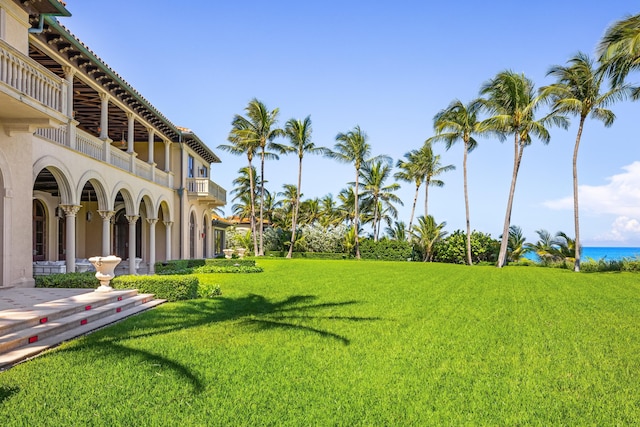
619 49
577 92
328 211
310 211
427 233
240 144
516 243
347 208
545 247
512 102
299 134
375 193
352 147
258 130
459 122
290 196
398 231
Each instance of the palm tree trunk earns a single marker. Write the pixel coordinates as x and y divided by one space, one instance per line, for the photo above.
413 208
502 256
261 225
375 218
356 216
294 220
427 182
575 195
253 208
466 202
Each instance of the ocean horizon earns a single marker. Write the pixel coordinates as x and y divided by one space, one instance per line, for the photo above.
608 253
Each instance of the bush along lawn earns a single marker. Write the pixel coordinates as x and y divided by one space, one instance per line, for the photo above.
312 342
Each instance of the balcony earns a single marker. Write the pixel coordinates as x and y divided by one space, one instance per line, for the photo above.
100 150
206 190
29 93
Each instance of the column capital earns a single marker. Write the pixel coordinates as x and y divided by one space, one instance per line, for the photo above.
130 115
71 210
167 223
152 221
151 130
106 215
132 218
104 96
68 71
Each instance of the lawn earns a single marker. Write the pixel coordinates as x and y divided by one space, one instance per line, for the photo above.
354 343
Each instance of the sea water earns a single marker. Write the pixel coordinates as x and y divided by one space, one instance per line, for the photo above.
609 253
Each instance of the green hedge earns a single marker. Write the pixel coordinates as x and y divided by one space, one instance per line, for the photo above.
167 267
307 255
171 288
227 269
388 250
85 280
223 262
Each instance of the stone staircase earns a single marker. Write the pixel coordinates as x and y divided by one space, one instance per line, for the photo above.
27 331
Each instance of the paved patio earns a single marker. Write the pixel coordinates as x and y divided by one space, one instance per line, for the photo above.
34 298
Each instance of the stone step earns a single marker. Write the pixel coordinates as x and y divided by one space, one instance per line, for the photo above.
107 316
14 320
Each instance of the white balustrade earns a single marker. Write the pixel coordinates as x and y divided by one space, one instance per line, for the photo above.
58 135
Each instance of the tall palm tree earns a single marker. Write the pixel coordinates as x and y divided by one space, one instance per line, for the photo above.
427 233
240 144
352 147
459 122
288 202
577 92
258 130
619 49
299 134
511 100
375 193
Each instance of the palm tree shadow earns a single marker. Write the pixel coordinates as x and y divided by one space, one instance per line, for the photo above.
252 310
6 392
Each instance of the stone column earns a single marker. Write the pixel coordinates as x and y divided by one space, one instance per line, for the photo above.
132 242
130 133
71 211
104 115
167 154
167 225
152 133
106 231
209 236
69 72
152 244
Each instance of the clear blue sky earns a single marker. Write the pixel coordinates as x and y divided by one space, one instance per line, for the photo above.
388 66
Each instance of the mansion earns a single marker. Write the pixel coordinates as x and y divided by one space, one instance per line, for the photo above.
87 165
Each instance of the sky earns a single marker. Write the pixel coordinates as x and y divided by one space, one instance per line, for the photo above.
389 67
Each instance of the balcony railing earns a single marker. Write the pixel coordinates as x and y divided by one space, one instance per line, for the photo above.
94 147
205 188
32 79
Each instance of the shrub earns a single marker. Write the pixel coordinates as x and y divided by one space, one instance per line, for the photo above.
178 265
209 290
385 249
223 262
171 288
86 280
226 269
453 249
318 255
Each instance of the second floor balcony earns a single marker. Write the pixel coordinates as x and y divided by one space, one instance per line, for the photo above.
206 190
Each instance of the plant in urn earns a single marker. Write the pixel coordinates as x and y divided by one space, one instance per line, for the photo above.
105 266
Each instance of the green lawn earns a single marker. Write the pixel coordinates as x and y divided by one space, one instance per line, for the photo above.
354 343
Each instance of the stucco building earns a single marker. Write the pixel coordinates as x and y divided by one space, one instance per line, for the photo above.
87 165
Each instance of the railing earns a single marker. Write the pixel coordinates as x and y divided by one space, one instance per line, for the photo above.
89 145
120 159
143 170
58 135
32 79
204 187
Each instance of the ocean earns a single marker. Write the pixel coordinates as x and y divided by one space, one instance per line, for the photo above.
609 253
602 252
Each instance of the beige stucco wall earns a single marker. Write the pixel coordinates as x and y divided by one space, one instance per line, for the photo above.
14 25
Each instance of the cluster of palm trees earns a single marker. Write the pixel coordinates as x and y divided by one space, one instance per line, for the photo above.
508 107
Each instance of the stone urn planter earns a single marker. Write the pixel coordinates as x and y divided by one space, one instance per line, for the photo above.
105 266
241 252
227 253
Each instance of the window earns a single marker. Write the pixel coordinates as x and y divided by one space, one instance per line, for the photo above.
191 167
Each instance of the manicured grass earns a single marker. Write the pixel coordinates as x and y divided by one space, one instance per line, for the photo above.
312 342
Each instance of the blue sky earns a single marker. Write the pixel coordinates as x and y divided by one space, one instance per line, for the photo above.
388 66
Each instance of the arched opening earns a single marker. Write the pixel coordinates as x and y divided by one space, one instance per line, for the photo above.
205 236
39 231
192 235
120 242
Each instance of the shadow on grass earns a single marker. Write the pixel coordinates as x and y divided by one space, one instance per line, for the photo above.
6 392
252 310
